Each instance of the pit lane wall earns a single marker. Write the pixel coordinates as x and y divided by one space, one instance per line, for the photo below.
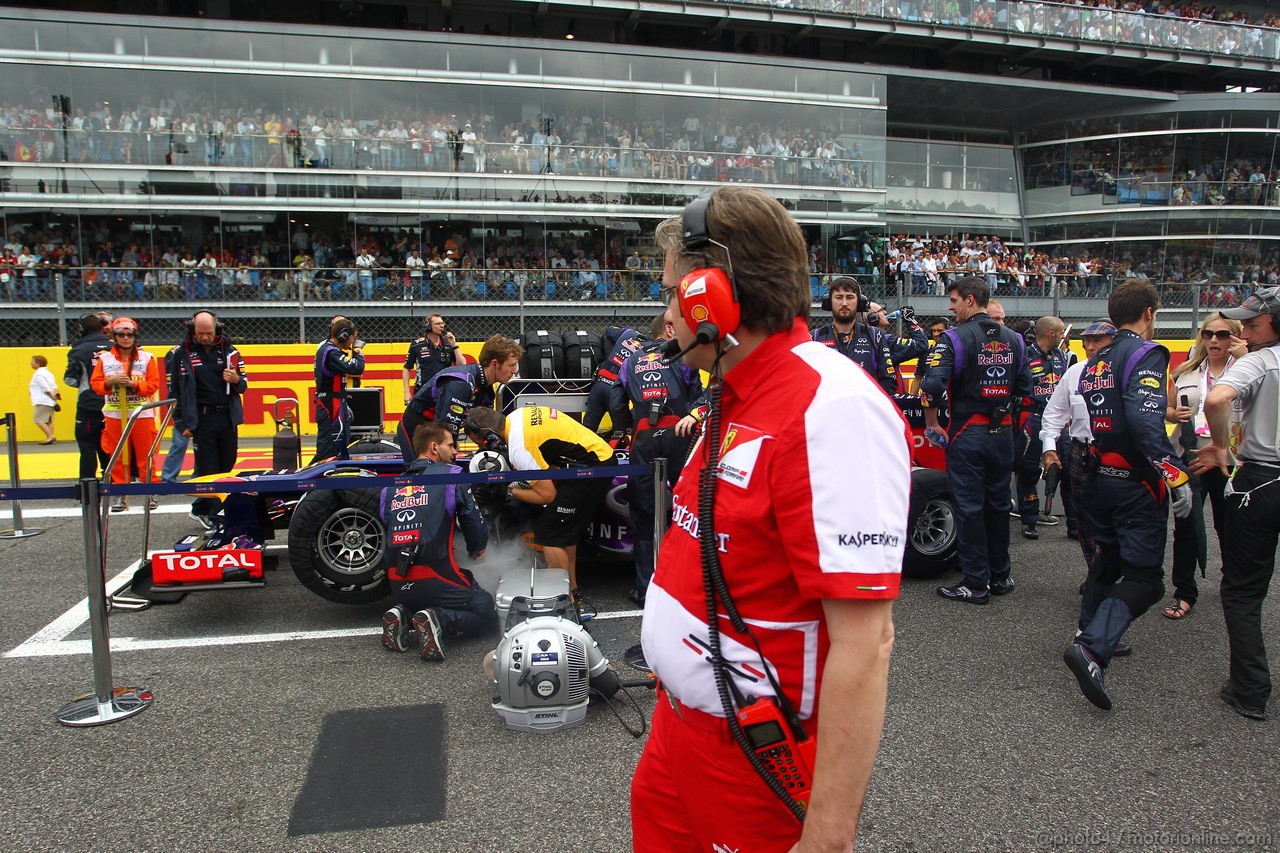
275 371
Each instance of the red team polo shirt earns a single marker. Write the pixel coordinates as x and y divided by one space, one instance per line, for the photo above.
811 503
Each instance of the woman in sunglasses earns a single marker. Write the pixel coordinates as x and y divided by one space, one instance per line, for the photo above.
1216 346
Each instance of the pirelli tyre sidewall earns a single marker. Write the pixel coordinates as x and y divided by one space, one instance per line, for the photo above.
932 527
337 545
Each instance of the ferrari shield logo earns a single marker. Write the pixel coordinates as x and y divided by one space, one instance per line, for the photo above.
739 452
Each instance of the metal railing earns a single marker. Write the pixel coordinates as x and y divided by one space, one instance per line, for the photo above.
40 282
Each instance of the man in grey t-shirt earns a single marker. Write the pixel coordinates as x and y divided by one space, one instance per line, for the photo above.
1253 495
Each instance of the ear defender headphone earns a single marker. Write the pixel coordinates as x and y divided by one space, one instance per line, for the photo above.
707 296
489 439
864 304
345 331
218 328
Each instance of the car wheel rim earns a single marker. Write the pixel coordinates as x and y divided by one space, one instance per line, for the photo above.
935 528
351 542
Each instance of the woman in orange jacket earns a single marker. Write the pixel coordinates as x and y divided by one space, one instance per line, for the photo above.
127 377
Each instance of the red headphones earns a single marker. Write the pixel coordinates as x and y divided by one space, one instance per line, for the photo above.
708 297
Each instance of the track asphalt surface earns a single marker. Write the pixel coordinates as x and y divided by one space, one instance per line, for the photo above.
988 744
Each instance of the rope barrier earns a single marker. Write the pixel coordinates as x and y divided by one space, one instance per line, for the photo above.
38 493
342 482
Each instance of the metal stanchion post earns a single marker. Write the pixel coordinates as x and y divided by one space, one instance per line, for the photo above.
659 504
106 704
1195 306
18 531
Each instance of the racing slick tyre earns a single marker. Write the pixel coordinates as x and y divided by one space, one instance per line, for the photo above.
337 545
932 529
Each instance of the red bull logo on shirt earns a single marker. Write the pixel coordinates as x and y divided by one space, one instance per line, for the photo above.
995 353
407 497
1097 378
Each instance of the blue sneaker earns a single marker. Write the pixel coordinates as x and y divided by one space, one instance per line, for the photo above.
1088 672
961 592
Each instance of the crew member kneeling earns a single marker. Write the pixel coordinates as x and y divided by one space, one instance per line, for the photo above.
444 598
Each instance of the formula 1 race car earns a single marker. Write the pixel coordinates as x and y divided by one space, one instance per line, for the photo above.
932 530
337 543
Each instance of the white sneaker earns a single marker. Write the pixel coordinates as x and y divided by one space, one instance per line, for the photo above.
119 503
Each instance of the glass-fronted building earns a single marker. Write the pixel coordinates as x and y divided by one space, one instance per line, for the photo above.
154 162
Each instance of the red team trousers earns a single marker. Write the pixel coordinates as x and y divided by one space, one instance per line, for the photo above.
694 791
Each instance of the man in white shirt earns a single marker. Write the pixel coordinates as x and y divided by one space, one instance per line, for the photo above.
27 262
1066 410
468 145
206 274
988 267
415 265
365 263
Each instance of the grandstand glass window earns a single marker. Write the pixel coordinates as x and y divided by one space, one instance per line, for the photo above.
351 109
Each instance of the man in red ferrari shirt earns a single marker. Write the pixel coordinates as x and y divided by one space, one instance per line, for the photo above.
811 557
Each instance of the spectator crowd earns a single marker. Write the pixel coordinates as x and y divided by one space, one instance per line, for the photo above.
928 265
384 264
1193 26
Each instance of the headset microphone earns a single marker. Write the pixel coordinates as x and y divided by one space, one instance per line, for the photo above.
707 334
671 352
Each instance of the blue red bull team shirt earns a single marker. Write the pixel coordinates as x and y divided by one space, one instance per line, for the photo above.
811 503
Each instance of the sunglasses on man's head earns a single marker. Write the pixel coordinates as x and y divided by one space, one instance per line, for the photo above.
1220 334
